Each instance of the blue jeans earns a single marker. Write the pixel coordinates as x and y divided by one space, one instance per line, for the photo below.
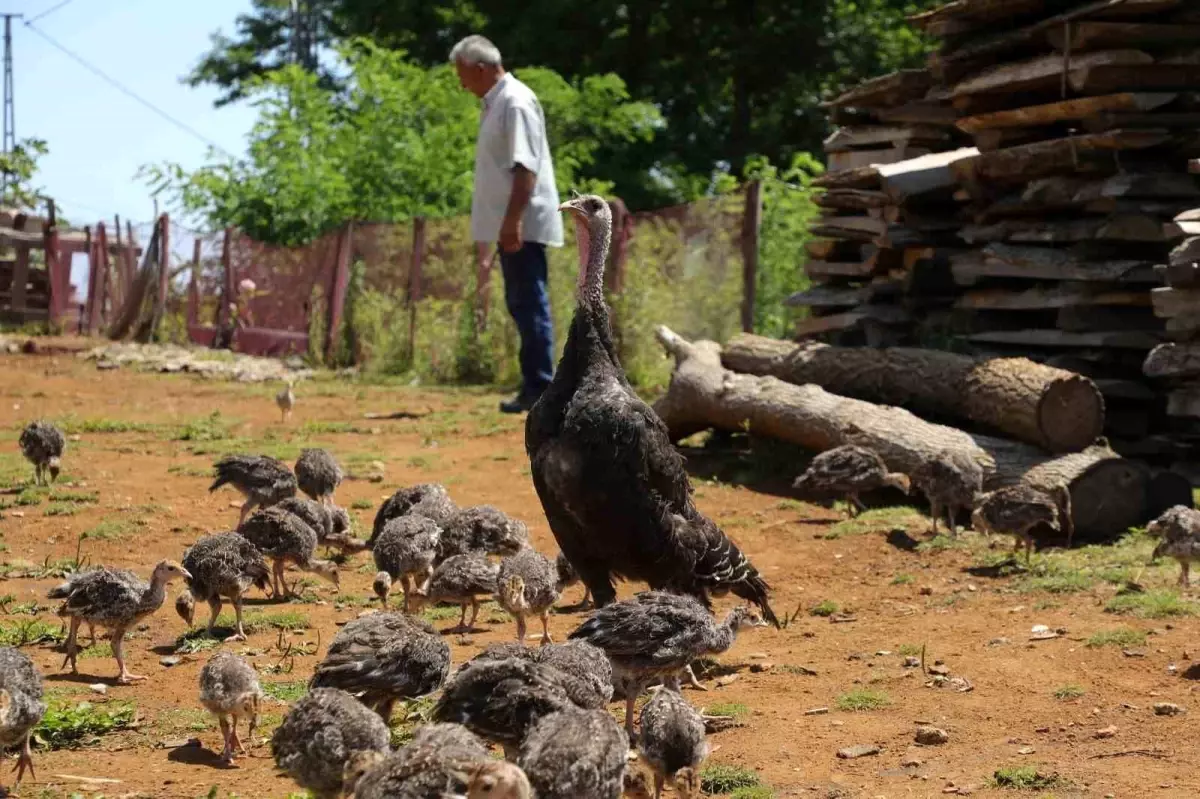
528 299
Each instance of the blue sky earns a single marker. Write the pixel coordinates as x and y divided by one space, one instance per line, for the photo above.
98 137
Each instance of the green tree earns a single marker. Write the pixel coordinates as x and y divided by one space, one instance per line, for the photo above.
730 78
397 142
19 167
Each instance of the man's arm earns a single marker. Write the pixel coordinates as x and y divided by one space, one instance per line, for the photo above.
518 200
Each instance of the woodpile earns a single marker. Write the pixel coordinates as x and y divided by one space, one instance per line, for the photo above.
1025 195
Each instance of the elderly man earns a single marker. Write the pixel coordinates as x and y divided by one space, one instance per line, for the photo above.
515 203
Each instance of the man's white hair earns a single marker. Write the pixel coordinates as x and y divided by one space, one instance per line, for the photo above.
476 49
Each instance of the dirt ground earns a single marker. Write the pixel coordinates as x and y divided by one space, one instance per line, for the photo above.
1075 710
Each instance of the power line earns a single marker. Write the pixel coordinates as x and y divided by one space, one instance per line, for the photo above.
127 91
50 10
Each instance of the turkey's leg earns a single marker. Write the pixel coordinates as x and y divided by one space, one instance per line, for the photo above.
692 681
520 628
474 613
950 521
125 676
25 760
407 583
1184 570
214 610
629 703
227 751
935 511
546 639
247 506
240 633
72 646
658 786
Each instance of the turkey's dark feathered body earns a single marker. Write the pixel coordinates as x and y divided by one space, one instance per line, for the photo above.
613 487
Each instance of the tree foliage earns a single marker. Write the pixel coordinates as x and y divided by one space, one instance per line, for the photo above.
19 167
397 142
730 78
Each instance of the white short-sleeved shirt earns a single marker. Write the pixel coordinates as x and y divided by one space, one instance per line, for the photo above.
512 130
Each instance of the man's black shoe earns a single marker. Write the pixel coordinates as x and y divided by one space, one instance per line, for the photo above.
519 404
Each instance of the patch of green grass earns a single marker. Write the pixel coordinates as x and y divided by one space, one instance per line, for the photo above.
1157 604
185 719
903 579
30 631
909 650
114 528
1122 637
789 504
735 709
756 792
861 699
1025 778
78 497
213 427
722 779
408 716
72 426
288 691
443 613
826 607
362 504
188 471
941 543
69 724
60 509
332 428
879 520
100 649
1069 691
1056 581
194 641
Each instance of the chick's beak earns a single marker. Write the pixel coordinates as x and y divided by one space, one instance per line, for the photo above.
187 575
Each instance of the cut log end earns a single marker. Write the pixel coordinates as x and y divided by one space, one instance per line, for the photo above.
1108 498
1070 414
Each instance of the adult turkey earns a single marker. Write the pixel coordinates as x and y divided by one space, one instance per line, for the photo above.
613 487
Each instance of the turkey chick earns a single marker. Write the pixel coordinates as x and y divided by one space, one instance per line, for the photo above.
322 732
262 480
329 522
43 444
224 565
671 741
286 400
229 689
21 706
658 634
575 754
438 761
1179 527
404 550
1015 510
950 481
845 472
462 580
318 474
482 528
115 599
430 500
587 665
527 584
382 658
285 538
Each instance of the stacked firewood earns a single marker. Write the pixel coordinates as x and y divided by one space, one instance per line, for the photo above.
1083 117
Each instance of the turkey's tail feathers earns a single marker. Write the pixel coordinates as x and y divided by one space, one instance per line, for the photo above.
232 469
755 589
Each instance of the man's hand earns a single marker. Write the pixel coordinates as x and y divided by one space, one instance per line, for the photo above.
510 234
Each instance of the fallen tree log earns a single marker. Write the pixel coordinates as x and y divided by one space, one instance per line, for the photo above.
1054 409
1109 493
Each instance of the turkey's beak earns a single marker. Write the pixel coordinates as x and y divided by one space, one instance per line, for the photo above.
187 575
572 206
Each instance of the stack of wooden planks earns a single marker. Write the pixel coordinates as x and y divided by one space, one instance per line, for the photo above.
1068 177
887 205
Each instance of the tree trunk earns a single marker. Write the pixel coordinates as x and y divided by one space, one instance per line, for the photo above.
1054 409
1109 493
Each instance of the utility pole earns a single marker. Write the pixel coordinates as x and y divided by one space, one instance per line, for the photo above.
10 121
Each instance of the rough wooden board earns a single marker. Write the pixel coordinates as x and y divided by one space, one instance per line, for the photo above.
1077 108
1184 403
1173 361
828 297
1044 263
919 112
1043 71
866 177
886 314
1135 9
1030 161
892 89
1169 301
1064 295
1112 78
1186 252
917 176
819 269
850 138
1092 35
1129 227
964 16
1061 338
856 159
1112 120
851 199
1179 276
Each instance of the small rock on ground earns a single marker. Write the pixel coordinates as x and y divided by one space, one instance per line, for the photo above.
931 736
862 750
1167 709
